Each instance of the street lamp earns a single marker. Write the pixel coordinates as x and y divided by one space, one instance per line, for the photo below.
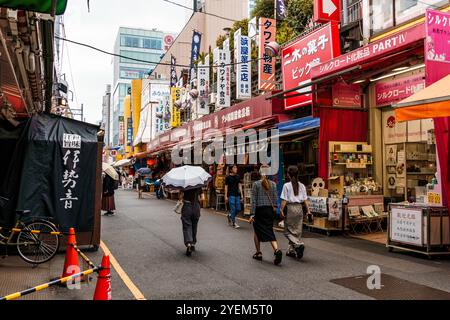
272 49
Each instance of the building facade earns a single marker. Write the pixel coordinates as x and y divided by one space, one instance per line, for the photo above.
140 51
106 113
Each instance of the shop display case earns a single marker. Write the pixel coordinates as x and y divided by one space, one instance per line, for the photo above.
419 228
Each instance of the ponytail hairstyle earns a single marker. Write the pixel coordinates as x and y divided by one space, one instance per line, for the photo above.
264 180
293 175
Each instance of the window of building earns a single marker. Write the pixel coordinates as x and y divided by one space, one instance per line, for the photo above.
152 44
145 57
385 14
128 41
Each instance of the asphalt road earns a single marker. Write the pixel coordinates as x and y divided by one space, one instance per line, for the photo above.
146 239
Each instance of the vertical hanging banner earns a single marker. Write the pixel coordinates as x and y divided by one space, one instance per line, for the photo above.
242 51
281 9
437 45
175 95
203 86
196 40
223 80
173 71
267 34
121 130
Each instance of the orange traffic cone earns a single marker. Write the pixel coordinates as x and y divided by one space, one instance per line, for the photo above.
103 287
71 265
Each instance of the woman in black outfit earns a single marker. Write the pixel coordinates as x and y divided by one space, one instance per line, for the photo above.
108 203
190 215
263 215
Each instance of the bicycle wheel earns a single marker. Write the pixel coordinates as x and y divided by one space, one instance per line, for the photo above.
37 248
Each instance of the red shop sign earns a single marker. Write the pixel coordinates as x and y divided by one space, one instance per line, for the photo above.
395 90
327 10
346 95
299 57
375 50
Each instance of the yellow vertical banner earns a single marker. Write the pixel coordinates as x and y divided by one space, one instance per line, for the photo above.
136 91
175 114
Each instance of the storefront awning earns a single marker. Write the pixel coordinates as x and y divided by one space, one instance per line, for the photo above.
431 102
298 125
43 6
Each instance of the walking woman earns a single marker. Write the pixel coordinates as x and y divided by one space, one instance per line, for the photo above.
108 203
294 198
190 215
263 214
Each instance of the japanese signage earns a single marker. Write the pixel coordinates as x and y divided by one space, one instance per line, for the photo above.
175 94
318 205
299 57
398 89
334 209
173 71
327 10
203 87
267 34
242 56
374 50
406 226
132 73
196 39
71 151
121 130
281 9
223 80
129 131
437 45
168 40
346 95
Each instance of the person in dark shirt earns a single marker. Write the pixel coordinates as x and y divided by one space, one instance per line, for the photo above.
233 195
108 203
190 215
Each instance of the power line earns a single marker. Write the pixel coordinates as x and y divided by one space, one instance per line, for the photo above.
149 62
206 13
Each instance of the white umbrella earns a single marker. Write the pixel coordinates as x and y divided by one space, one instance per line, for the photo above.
110 171
186 177
122 163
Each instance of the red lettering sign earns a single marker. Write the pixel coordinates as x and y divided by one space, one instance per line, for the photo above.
396 90
300 56
346 95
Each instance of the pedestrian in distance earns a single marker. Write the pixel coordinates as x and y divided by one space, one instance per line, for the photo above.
233 195
263 214
190 215
294 197
108 203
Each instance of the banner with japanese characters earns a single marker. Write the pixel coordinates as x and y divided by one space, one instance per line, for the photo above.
300 56
59 171
203 87
173 71
242 55
223 80
281 9
196 40
266 63
175 95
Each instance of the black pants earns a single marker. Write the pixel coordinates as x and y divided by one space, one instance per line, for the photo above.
190 214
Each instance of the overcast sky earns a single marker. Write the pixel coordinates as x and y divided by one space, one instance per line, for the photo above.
92 70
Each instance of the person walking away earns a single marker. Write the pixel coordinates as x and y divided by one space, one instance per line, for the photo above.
233 195
294 197
108 203
190 215
263 214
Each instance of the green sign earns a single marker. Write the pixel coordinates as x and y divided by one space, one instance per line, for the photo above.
43 6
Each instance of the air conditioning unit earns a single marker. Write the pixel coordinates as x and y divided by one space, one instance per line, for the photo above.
212 98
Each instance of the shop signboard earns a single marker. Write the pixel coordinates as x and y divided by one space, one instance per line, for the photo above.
392 91
223 80
196 40
406 226
300 56
318 205
437 45
266 64
121 130
129 131
242 55
175 93
374 50
346 95
203 87
327 10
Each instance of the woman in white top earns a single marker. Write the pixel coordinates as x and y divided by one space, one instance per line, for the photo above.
294 197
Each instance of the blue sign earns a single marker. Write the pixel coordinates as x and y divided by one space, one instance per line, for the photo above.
173 72
196 40
281 9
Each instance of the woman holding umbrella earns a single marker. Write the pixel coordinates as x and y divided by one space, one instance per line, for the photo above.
189 180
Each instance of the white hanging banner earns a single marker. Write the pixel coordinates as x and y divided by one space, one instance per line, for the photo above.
223 80
203 87
242 56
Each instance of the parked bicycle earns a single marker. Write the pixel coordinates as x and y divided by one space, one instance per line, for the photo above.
37 240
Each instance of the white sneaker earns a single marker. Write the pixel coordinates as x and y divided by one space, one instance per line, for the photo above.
236 226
